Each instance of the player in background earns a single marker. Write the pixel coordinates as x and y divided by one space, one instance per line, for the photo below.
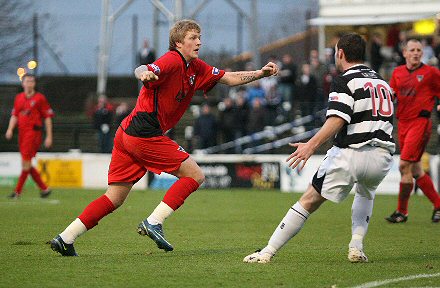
30 110
415 86
140 145
360 113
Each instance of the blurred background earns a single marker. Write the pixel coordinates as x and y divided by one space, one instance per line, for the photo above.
84 54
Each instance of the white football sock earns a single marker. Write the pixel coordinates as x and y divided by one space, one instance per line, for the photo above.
159 214
289 227
73 231
361 212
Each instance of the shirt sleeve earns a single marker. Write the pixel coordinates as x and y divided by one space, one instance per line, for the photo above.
162 67
16 110
45 108
436 82
208 76
393 85
340 100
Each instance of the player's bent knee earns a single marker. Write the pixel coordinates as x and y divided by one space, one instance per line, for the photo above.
405 167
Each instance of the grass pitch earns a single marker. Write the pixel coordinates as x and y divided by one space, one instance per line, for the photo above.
211 234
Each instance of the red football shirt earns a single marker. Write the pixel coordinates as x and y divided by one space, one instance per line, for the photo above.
162 103
415 90
31 111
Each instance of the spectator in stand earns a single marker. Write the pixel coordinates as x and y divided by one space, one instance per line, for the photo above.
254 91
122 111
102 122
30 110
243 112
225 90
415 86
257 117
376 58
228 121
428 51
393 35
328 79
306 92
206 128
287 78
146 55
272 100
319 70
398 49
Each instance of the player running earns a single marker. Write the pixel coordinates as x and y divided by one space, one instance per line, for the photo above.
140 145
415 86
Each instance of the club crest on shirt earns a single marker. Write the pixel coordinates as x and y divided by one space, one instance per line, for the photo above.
333 98
191 79
419 78
215 71
32 103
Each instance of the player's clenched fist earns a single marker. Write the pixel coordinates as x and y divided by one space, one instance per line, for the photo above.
148 76
145 75
270 69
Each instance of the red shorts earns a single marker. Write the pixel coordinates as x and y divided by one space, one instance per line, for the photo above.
28 143
133 156
413 138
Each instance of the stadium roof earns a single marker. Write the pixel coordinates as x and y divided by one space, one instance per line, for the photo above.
368 20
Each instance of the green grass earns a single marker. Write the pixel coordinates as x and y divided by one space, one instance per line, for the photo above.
211 234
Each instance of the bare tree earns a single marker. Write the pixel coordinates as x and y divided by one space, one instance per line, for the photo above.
15 33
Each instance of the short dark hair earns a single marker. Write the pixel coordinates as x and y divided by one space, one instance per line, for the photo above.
411 40
354 47
28 75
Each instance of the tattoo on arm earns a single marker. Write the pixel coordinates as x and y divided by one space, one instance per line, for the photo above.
248 78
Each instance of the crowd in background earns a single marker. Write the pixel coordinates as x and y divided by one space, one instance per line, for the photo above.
299 90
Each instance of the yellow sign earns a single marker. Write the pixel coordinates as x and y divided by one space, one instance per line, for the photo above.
61 173
424 27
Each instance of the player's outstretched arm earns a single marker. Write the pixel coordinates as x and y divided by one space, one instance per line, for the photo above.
49 128
12 123
243 77
142 73
305 150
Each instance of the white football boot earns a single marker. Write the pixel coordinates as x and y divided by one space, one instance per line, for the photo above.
258 257
356 256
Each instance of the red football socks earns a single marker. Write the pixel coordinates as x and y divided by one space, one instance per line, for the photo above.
21 180
404 194
37 178
426 185
180 190
95 211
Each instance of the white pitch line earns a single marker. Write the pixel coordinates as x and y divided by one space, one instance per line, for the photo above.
388 281
31 201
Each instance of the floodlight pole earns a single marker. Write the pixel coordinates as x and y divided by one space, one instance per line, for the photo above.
107 23
253 28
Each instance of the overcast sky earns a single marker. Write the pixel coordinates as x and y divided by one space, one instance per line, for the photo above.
72 29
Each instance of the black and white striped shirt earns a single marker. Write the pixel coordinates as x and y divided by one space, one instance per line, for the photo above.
364 100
